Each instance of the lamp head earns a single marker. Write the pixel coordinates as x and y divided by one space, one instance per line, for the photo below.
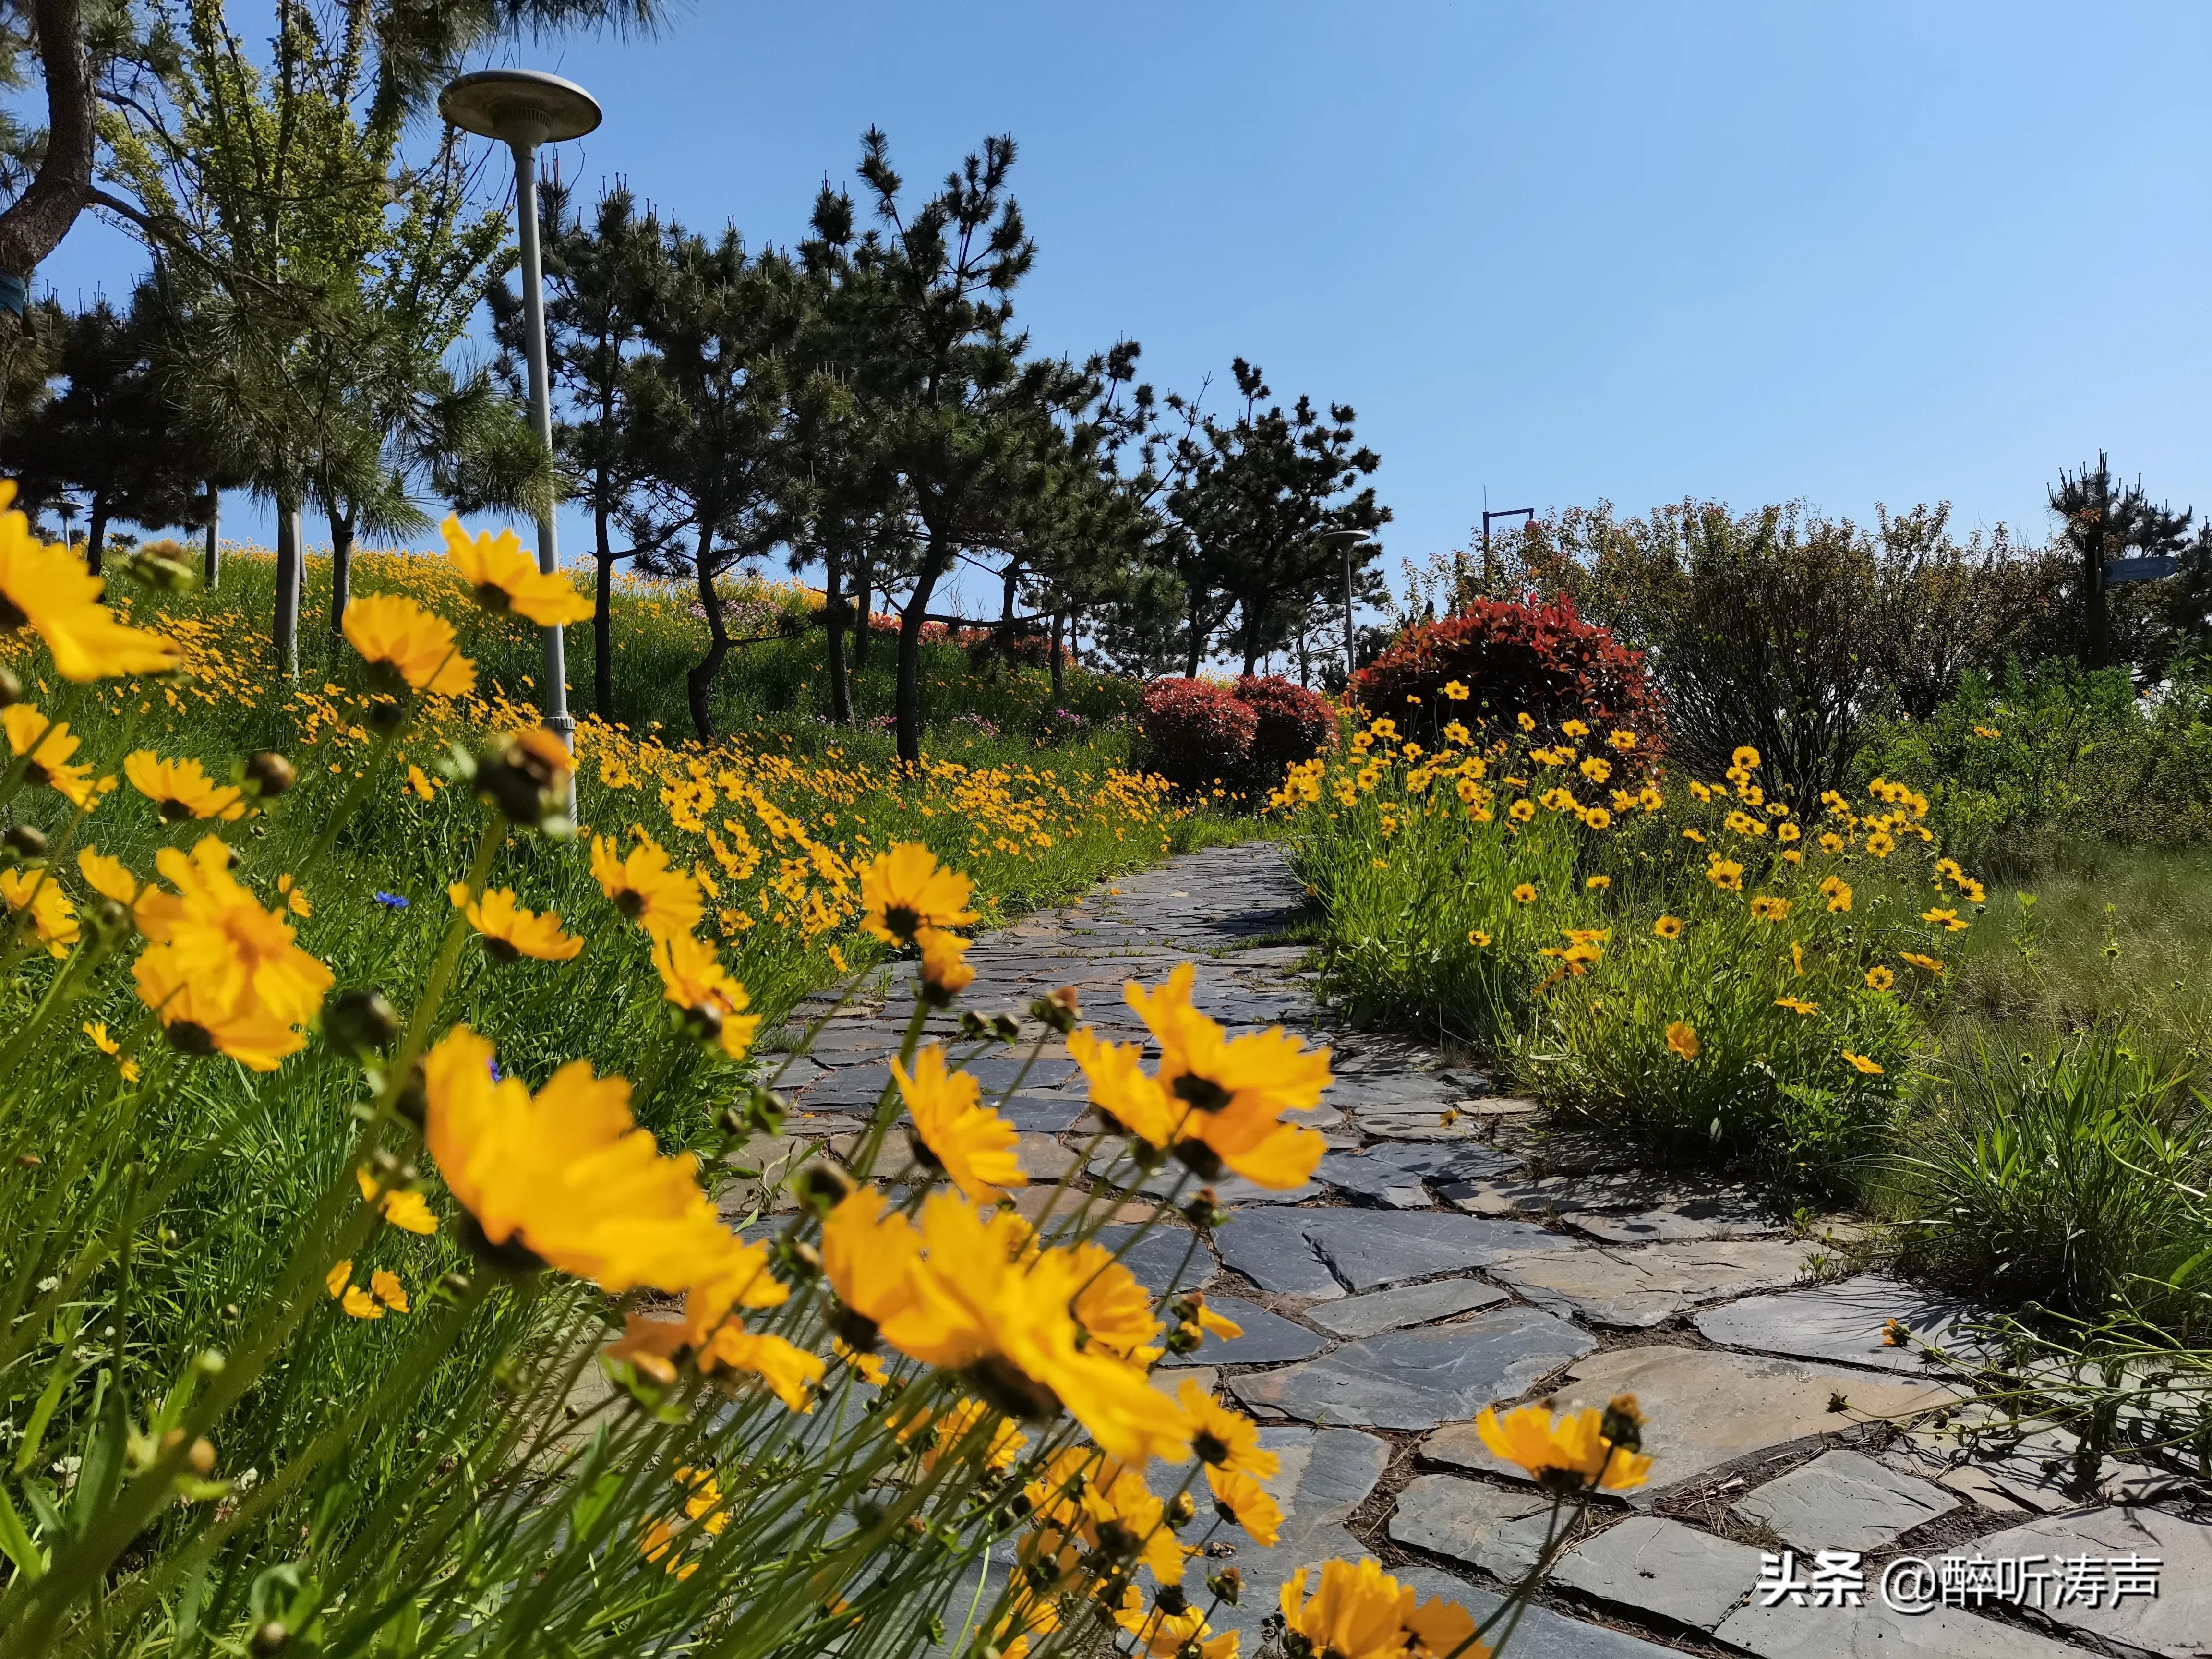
522 106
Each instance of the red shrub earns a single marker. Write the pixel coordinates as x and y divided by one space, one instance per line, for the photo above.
1513 658
1294 726
1193 733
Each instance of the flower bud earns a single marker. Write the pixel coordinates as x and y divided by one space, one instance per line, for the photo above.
822 1185
1059 1010
272 1638
359 1023
24 841
166 566
12 689
1226 1585
1180 1513
268 774
384 715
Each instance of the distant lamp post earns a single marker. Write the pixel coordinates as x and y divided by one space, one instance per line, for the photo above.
1526 515
525 109
1348 540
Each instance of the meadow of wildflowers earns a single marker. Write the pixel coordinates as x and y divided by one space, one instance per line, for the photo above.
327 1179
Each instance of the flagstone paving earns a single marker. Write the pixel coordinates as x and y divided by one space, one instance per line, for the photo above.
1454 1252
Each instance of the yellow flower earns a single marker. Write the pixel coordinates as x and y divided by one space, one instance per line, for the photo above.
788 1372
1236 1089
97 1030
1765 909
181 789
1746 758
1525 893
663 901
53 915
198 1022
693 978
972 1144
46 587
1796 1005
403 1207
387 1289
360 1303
1837 891
1575 729
407 647
1988 733
945 970
1114 1310
1477 936
1861 1063
1726 874
1697 835
1224 1439
1947 920
1879 978
1526 720
509 932
1521 810
1573 1450
506 579
1598 884
340 1275
1682 1039
1786 834
1830 842
568 1176
1598 818
870 1254
418 783
1455 691
47 746
1362 1613
1243 1502
1624 740
906 889
1668 926
981 1305
1925 965
218 937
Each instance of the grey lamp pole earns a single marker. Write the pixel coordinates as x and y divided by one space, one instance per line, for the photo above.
525 109
1348 540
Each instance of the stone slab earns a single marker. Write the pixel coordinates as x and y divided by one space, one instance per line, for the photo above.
2177 1622
1677 1222
1156 1259
1875 1631
1409 1304
1328 1253
1663 1567
1375 1180
1843 1500
1703 1409
1323 1476
1643 1286
1446 1515
1418 1379
1842 1323
1268 1339
1542 1633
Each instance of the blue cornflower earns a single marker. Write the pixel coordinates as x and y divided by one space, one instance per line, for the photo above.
392 901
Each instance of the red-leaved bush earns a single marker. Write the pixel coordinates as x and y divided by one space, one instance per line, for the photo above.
1513 658
1295 724
1194 732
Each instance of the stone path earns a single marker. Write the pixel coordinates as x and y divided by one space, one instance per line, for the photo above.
1452 1253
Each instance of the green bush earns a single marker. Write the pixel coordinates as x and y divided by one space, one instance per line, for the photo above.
2074 1179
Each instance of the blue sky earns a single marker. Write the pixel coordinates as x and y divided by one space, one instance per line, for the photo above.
1855 254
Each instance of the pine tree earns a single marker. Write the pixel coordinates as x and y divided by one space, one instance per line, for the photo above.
2101 522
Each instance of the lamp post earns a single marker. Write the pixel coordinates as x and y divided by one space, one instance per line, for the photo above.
1348 540
525 109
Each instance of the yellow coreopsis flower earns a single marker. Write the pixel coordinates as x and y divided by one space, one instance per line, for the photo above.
1879 978
198 1022
1525 893
511 932
46 746
218 936
788 1372
970 1143
506 578
1797 1005
693 978
97 1030
1862 1064
1837 891
664 902
1224 1439
1947 919
568 1176
1682 1039
1243 1502
1236 1089
906 889
870 1254
407 647
1363 1613
1573 1450
945 970
46 587
1668 926
181 789
1726 874
1746 757
1925 965
1766 908
52 916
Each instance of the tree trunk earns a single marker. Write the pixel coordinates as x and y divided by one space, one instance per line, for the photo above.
864 581
95 532
1251 660
213 570
700 682
603 615
284 631
908 703
35 222
341 569
833 618
1197 645
1058 662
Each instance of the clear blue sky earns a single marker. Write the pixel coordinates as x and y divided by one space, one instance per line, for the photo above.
1862 253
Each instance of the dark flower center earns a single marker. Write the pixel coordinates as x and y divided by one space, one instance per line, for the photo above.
189 1038
902 919
1004 1384
1210 1446
630 902
1201 1093
494 597
500 950
173 810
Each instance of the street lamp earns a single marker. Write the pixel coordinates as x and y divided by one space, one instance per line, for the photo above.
525 109
1348 539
